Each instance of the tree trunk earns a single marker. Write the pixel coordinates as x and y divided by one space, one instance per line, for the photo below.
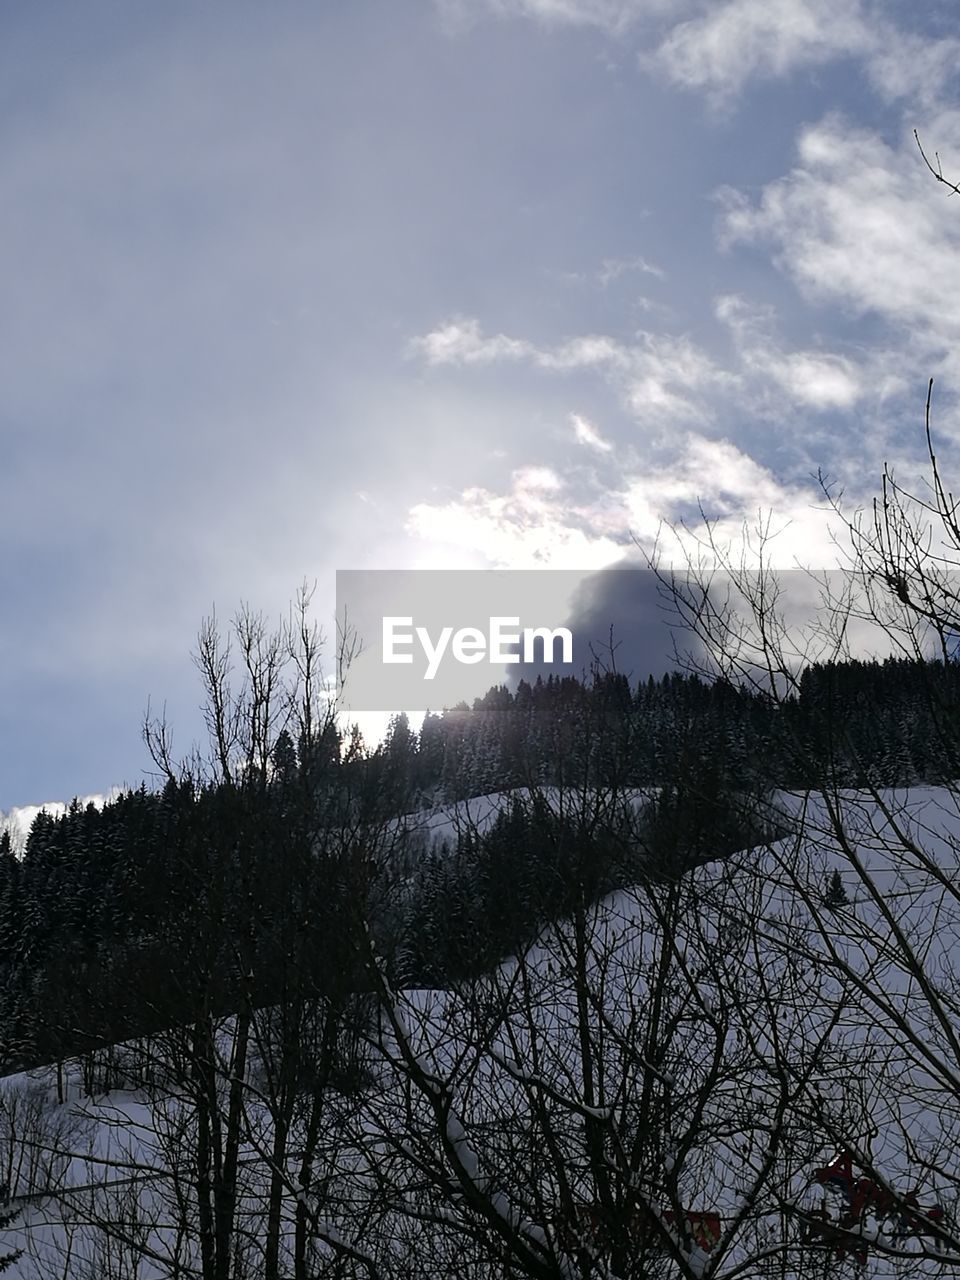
225 1197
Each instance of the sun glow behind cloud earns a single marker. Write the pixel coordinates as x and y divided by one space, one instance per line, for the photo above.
496 282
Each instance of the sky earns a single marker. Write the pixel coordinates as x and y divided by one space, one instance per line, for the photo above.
436 284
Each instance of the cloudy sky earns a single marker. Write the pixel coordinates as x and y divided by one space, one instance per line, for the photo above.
435 283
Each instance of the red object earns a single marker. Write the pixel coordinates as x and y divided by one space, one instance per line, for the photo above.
860 1195
920 1222
704 1226
820 1226
838 1173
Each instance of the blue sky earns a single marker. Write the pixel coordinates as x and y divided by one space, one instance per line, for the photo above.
435 283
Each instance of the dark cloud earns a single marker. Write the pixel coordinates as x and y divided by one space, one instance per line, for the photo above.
622 618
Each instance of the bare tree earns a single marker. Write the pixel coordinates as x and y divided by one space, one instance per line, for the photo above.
882 945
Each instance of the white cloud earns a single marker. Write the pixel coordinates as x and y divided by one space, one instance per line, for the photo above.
737 495
858 223
729 484
612 16
749 517
535 525
613 268
719 47
660 377
530 481
672 380
819 380
20 819
742 40
462 342
737 41
667 382
822 381
541 521
907 66
587 434
588 351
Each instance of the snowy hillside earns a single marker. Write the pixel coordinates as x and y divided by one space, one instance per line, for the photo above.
674 1053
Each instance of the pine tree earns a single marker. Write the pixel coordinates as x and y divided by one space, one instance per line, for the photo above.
430 754
284 755
835 896
7 1216
400 760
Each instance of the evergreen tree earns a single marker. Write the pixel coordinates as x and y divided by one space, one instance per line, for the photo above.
284 759
430 754
836 895
7 1216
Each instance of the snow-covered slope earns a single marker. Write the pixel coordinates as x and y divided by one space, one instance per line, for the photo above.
697 1048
